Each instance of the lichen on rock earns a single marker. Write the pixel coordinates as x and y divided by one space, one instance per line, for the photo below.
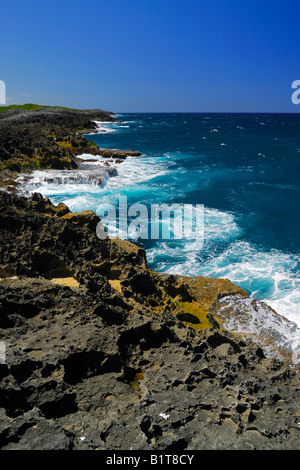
117 348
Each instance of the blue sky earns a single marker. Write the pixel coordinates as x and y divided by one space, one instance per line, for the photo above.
152 55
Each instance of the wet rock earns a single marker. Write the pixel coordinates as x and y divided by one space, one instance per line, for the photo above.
119 154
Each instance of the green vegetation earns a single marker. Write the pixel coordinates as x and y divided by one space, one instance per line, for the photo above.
65 144
194 315
33 164
28 107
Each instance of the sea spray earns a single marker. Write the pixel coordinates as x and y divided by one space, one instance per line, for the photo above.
249 188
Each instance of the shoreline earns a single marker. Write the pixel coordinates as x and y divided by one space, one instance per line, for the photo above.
47 138
241 324
158 335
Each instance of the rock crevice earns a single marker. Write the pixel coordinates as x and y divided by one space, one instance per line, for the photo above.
99 347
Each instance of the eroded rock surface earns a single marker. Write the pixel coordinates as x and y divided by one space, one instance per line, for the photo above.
102 353
46 138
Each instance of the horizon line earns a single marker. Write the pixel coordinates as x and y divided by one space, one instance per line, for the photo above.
205 112
157 112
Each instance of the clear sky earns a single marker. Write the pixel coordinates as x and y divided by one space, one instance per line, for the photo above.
152 55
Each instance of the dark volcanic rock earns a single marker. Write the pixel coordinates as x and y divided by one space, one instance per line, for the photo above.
115 153
46 137
96 357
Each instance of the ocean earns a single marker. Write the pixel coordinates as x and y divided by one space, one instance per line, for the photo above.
243 169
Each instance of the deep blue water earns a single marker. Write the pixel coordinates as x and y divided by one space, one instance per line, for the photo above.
255 175
244 169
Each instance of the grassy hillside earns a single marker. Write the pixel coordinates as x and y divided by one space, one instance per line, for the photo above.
28 106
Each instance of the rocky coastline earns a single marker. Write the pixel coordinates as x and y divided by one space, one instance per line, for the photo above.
49 138
101 353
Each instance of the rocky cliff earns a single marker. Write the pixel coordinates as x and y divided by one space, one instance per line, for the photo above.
99 352
102 353
46 137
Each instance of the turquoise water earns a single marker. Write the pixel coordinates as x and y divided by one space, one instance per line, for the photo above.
244 169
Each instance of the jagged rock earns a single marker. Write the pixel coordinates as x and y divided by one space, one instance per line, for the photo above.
96 357
45 138
119 154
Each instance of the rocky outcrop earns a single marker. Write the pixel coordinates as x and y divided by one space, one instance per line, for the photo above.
51 138
115 153
102 353
46 137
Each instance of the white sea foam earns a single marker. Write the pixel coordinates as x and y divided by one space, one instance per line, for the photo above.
268 276
104 127
92 175
89 156
252 317
185 257
135 170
